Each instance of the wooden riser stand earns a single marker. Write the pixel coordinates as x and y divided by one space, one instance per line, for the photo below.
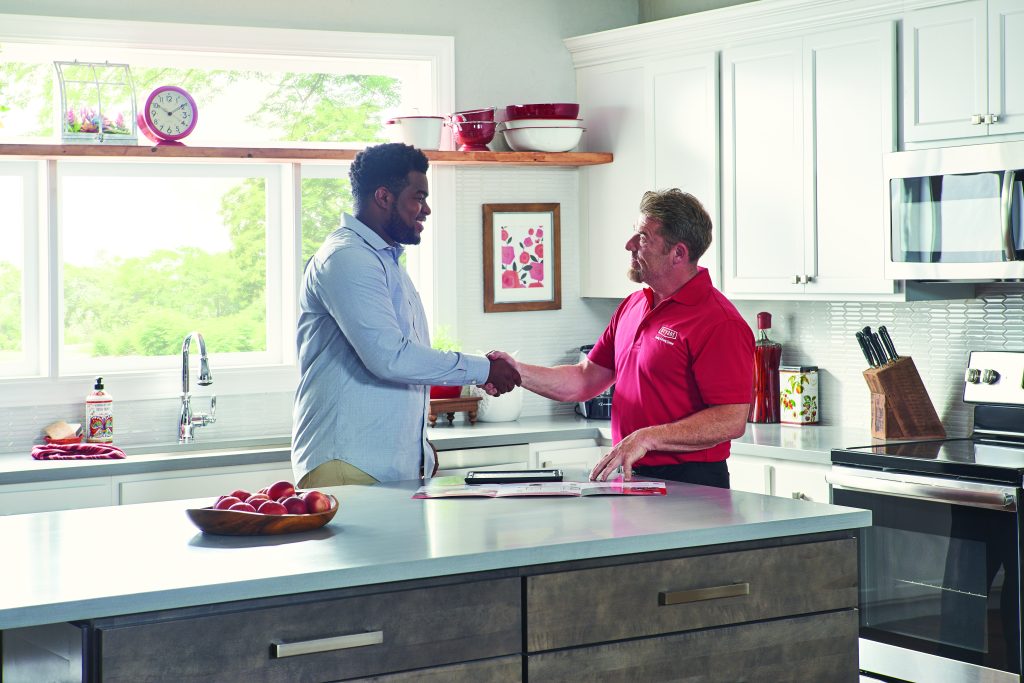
900 406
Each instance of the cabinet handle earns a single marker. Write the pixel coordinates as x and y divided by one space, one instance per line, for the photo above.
796 279
800 495
697 594
977 119
992 118
306 647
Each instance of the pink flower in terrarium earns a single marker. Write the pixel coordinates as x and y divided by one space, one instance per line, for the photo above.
524 258
71 116
539 250
120 120
509 280
528 242
508 254
504 234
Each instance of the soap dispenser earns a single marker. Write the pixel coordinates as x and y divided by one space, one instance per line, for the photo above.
99 415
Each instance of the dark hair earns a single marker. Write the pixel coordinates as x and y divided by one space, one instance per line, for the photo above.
385 165
682 217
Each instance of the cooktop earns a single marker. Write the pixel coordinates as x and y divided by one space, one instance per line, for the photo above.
968 458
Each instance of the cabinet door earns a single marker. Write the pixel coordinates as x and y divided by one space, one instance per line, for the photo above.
1006 65
849 106
50 496
196 483
944 72
750 474
802 482
762 145
683 140
612 102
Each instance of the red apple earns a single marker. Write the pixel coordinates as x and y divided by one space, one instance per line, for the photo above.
257 498
272 507
225 502
316 501
280 489
294 505
240 494
242 507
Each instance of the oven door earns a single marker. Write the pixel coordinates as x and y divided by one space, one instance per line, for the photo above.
939 576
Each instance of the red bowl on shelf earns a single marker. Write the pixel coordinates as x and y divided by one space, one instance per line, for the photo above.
473 136
441 391
473 115
549 110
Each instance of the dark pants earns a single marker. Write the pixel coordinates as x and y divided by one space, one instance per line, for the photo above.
703 473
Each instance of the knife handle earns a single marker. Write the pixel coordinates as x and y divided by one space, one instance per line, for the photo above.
876 344
890 348
866 349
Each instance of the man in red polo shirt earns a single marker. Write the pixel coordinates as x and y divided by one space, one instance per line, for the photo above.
679 353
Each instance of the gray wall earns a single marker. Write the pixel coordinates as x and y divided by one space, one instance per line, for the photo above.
652 10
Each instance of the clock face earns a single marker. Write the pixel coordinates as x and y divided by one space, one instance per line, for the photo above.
170 112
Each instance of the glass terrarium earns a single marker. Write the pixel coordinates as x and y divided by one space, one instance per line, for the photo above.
97 103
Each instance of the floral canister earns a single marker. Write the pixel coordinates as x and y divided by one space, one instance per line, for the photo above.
798 393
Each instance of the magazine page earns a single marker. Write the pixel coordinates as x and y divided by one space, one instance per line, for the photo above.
623 488
456 491
561 488
450 488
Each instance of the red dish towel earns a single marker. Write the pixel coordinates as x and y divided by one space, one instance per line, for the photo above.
76 451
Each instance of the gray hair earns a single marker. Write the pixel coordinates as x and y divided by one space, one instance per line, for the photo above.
682 218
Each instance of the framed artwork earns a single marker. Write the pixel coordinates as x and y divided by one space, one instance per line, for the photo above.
522 257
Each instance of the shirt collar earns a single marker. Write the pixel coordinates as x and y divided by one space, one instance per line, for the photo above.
691 293
370 237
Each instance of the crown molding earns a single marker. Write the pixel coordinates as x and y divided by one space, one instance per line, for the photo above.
729 26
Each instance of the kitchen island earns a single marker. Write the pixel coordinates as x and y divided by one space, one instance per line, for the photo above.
481 589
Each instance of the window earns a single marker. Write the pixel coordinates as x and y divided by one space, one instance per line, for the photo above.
131 256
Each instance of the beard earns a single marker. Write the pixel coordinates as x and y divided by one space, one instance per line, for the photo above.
399 230
635 273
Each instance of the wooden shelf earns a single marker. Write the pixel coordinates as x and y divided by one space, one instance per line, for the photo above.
293 154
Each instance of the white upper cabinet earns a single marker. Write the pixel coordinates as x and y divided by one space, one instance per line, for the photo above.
962 71
659 117
805 125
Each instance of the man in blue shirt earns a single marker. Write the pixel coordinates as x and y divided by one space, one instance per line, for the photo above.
365 359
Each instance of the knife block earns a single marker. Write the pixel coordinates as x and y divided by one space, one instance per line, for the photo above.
900 406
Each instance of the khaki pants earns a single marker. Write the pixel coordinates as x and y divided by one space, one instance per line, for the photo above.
335 473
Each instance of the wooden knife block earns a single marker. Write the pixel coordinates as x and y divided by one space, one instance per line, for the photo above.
900 406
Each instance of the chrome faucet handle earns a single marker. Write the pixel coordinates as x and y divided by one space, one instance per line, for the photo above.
209 418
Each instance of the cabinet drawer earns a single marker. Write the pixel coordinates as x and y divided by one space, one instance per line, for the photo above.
614 603
374 634
821 647
500 670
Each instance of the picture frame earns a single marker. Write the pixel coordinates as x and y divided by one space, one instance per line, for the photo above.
522 257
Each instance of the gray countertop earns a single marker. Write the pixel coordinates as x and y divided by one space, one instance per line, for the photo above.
117 560
809 444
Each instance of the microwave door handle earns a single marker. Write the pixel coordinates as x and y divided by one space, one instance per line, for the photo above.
996 500
1006 197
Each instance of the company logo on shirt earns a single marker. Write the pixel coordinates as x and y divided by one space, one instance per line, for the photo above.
666 335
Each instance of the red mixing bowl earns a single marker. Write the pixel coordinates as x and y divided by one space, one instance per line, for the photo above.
473 136
556 110
474 115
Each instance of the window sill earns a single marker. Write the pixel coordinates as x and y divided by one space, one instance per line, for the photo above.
295 154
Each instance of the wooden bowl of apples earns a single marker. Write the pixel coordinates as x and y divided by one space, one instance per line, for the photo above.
276 509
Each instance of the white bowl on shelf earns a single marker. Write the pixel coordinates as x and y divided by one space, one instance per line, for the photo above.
422 132
542 138
544 123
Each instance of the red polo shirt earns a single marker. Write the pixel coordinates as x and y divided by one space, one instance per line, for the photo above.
692 351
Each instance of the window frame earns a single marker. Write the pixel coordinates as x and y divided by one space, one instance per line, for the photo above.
42 311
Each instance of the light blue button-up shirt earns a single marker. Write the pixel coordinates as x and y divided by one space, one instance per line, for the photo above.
365 361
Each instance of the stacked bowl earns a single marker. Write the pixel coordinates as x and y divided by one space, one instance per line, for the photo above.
550 127
473 129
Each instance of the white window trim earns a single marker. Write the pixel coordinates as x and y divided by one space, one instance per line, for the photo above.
437 51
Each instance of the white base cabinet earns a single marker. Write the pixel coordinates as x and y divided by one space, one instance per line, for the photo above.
51 496
774 477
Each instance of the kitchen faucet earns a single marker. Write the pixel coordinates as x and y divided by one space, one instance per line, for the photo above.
187 421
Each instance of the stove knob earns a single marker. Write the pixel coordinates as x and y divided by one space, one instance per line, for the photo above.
989 376
972 376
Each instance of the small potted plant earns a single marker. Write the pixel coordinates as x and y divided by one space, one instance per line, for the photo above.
443 341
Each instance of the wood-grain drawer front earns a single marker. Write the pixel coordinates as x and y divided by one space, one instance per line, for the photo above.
614 603
499 670
418 628
820 647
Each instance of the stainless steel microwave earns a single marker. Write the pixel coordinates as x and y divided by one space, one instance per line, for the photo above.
956 213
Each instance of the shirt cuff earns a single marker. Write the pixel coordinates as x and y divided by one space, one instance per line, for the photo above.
477 369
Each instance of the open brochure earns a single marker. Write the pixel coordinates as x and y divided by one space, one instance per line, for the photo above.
566 488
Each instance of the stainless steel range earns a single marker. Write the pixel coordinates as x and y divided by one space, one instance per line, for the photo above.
940 579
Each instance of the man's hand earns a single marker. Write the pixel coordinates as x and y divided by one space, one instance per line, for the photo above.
627 452
504 376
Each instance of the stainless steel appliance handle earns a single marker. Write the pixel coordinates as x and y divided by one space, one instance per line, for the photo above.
952 492
1006 201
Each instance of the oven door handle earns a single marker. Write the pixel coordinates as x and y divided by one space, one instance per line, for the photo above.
998 498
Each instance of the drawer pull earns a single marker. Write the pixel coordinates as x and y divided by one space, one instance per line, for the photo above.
307 647
698 594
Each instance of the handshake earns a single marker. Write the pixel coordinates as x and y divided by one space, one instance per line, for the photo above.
504 374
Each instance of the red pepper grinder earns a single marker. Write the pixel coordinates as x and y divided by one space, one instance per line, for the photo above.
764 399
